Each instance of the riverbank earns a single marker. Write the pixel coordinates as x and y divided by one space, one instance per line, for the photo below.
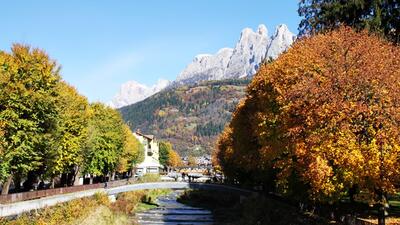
232 209
95 210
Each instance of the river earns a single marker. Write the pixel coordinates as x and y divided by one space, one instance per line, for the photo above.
170 212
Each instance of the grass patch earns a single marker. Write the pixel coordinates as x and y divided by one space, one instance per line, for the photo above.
95 210
64 213
144 207
134 201
103 215
149 177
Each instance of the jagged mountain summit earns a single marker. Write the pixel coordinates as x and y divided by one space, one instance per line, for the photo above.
228 63
243 60
132 92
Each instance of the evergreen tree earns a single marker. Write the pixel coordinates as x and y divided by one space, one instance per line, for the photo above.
163 153
378 16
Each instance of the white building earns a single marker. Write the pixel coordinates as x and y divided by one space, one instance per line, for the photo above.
151 163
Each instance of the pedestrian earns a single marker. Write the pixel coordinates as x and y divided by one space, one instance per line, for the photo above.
183 176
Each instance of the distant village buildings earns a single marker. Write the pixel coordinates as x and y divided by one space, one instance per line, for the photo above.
151 163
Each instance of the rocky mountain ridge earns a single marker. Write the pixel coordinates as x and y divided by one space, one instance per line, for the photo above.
228 63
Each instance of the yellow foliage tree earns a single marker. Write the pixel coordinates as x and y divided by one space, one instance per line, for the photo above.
321 119
174 160
192 162
133 152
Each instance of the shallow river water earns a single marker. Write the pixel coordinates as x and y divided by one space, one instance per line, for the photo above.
171 212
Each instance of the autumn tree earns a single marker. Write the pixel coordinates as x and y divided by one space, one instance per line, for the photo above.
174 160
48 130
28 111
105 141
378 16
168 156
192 162
133 152
66 157
324 118
242 156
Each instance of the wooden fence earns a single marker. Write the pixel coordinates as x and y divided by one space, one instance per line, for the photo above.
23 196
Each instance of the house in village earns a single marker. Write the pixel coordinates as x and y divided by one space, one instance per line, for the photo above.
151 163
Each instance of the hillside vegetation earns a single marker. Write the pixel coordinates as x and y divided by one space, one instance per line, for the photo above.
190 117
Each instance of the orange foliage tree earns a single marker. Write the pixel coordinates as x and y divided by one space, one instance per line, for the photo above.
174 159
323 117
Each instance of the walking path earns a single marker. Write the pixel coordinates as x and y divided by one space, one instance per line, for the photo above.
25 206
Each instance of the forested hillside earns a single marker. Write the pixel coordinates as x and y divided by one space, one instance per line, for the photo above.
190 117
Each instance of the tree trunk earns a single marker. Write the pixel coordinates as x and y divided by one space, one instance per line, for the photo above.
382 208
132 172
113 176
52 183
6 185
91 179
381 194
76 176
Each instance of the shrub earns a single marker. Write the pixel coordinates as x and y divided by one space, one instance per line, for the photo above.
128 201
64 213
101 198
149 177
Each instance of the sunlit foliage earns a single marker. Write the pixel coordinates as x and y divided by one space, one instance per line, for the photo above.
168 156
28 109
47 129
321 119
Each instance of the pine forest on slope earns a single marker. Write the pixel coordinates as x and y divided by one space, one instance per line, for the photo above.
190 117
193 110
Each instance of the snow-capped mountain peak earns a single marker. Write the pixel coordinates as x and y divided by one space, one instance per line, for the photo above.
281 41
262 30
199 57
241 61
133 91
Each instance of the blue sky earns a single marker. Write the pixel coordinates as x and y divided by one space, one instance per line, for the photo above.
102 44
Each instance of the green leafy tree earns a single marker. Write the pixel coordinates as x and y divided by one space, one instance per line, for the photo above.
168 156
163 152
72 132
378 16
28 110
105 140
